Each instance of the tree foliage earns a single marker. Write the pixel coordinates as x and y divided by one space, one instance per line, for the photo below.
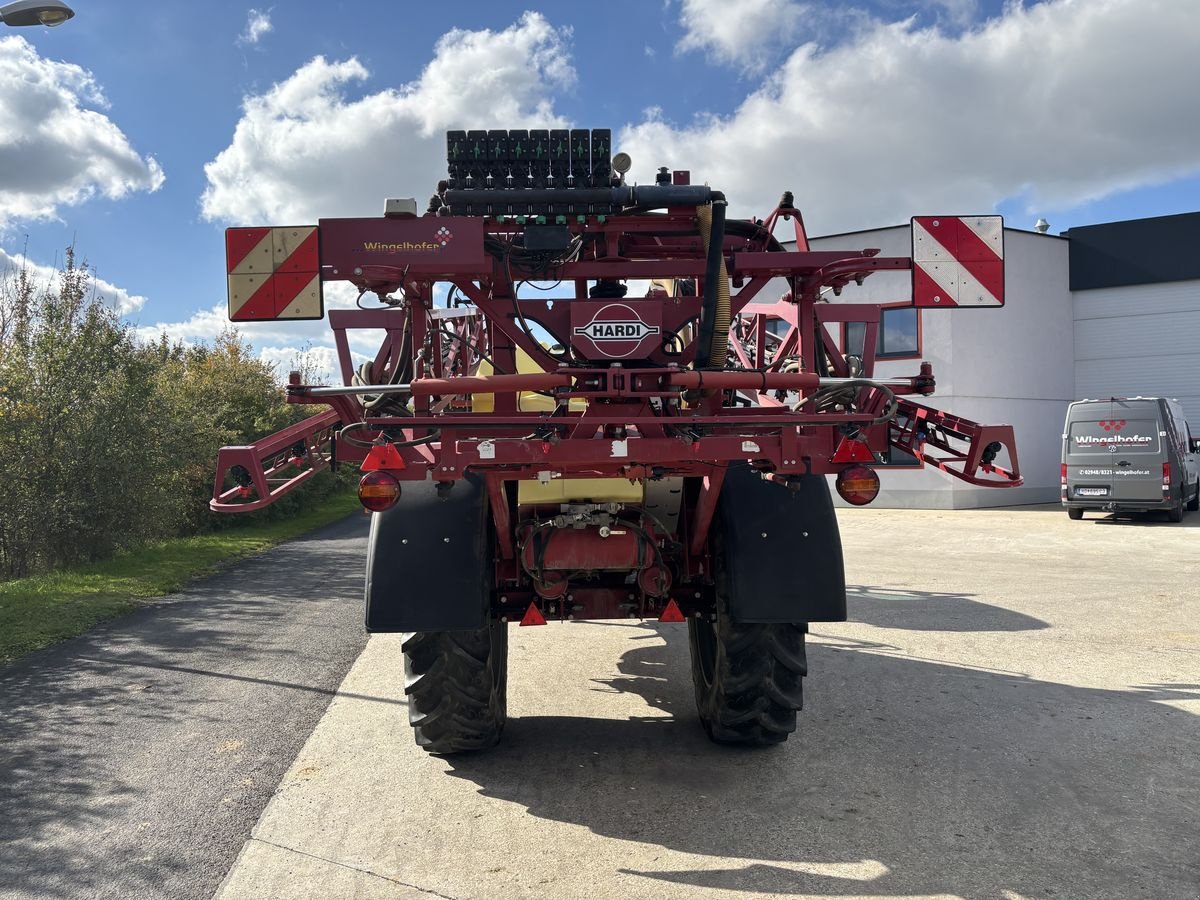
105 441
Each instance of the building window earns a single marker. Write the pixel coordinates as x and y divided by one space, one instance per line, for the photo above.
899 334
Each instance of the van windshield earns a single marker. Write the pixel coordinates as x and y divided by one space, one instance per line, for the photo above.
1108 435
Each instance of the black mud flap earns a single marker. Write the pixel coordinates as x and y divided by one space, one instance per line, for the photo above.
428 560
783 551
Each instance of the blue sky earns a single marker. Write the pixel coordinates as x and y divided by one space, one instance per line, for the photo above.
140 130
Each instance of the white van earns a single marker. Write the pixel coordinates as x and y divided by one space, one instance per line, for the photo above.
1132 454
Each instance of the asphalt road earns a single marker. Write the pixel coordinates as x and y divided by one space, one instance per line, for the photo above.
1013 712
134 760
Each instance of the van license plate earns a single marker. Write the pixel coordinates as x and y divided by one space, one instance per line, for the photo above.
1091 492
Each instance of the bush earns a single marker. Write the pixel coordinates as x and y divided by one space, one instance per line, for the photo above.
108 442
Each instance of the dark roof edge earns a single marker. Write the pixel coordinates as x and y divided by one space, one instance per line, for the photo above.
1182 215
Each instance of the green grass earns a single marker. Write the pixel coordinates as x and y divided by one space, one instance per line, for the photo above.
39 611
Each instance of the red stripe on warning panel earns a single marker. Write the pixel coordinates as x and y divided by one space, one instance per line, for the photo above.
239 242
980 260
288 286
260 306
304 258
990 274
925 289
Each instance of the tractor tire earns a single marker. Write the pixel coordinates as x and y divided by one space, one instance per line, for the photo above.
457 687
1075 514
749 678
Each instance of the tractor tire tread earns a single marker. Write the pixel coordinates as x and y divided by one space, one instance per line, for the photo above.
758 683
455 688
759 670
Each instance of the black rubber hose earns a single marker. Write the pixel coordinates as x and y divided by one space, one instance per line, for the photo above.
712 273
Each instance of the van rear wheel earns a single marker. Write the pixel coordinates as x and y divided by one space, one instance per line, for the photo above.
1175 513
1075 513
1194 503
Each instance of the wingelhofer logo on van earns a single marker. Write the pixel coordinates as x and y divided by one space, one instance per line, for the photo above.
1110 440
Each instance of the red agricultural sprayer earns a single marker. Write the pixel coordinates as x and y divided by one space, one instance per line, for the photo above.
596 400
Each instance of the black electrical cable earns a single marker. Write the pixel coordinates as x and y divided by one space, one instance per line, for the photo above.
672 338
344 435
474 347
844 395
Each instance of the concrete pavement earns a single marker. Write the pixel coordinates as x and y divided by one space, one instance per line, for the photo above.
1013 712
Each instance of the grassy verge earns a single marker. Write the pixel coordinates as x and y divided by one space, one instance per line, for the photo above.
38 611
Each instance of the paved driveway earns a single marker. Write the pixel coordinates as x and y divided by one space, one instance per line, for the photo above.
1013 711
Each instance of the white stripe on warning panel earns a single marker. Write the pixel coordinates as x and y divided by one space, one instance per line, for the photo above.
989 229
926 247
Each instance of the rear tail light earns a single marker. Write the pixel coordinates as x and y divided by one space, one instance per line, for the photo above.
857 485
1062 475
378 491
1166 484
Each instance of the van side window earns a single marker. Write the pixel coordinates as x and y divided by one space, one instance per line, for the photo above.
1174 435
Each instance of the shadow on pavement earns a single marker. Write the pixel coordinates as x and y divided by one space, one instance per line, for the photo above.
907 777
1144 520
932 611
127 769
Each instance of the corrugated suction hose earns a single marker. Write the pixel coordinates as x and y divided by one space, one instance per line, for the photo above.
713 338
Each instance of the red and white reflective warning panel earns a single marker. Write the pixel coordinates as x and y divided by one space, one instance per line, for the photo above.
274 273
958 261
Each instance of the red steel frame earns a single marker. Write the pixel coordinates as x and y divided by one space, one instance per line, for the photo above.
652 419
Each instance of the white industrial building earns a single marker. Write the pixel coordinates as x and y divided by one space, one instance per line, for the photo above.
1101 311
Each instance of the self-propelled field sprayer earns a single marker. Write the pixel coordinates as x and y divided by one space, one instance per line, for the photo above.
585 406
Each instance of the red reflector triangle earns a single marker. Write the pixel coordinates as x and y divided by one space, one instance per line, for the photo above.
533 616
383 456
852 451
672 613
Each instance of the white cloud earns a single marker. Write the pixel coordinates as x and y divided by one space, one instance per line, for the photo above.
279 342
739 32
956 12
258 23
306 149
1058 103
120 299
54 151
322 361
205 324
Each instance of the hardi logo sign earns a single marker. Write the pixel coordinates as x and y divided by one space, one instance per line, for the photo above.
621 330
615 330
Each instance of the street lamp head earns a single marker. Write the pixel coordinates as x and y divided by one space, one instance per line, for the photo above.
35 12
